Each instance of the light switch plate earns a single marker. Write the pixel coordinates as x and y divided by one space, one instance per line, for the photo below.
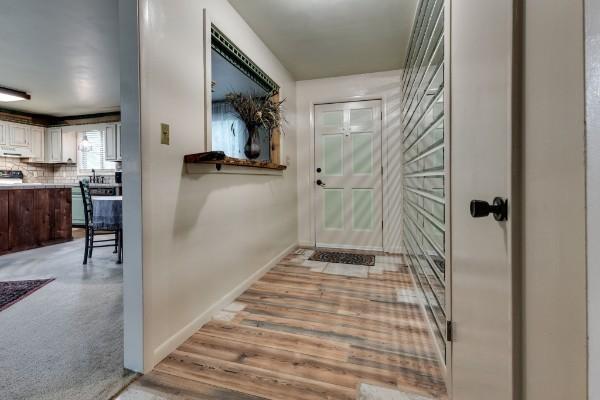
165 135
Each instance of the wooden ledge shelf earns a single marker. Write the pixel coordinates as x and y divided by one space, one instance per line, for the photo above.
231 163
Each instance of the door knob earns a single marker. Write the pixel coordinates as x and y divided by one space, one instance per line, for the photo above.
481 208
320 182
318 169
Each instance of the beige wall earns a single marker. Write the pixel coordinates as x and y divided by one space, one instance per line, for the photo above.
203 235
382 85
554 276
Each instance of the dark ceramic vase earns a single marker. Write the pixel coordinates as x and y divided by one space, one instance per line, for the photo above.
252 147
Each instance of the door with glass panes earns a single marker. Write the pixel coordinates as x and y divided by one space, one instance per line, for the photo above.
348 175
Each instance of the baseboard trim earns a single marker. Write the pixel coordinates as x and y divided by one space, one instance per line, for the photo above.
348 247
178 338
306 244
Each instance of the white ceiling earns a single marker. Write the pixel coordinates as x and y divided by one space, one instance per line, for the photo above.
324 38
65 53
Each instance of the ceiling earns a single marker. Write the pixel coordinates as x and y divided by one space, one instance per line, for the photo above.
64 53
228 79
325 38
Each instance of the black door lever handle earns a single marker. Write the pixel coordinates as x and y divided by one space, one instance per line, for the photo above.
481 208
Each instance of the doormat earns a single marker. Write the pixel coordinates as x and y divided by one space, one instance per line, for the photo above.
343 258
13 291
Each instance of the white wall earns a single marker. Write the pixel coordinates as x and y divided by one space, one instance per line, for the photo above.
554 276
592 17
383 85
203 235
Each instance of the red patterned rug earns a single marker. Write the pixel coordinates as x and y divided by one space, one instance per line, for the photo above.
13 291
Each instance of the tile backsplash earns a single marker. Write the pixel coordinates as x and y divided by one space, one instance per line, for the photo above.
32 173
65 174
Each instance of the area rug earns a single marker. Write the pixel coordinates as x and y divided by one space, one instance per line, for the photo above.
343 258
13 291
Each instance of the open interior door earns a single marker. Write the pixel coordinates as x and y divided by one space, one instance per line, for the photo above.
482 104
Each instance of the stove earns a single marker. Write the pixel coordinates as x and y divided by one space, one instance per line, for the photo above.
11 177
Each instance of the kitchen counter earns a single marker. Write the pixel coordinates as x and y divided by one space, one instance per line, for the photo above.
16 186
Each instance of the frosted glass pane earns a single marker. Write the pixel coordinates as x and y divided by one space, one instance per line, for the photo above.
362 209
333 151
362 154
332 119
361 116
333 206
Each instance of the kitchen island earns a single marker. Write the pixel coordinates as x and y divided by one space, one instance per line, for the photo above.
34 215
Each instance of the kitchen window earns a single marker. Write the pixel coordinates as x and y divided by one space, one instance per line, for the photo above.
91 154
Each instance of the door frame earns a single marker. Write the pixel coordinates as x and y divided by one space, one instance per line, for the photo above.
384 161
447 362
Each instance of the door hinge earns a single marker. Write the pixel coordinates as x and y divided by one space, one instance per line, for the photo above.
381 115
449 331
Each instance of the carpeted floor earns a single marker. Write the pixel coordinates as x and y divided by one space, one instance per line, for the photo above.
64 341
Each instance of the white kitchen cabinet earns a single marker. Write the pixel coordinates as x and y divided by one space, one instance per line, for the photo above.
3 133
37 144
69 147
19 135
119 142
110 142
53 144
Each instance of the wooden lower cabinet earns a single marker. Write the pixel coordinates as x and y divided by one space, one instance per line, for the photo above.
4 244
62 215
21 230
31 218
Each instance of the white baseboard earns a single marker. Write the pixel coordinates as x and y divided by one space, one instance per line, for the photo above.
178 338
349 247
306 244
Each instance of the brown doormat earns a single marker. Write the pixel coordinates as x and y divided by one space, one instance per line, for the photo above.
13 291
343 258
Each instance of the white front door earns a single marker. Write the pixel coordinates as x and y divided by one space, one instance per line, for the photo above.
482 98
348 187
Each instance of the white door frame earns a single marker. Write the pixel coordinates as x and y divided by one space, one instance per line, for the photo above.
384 161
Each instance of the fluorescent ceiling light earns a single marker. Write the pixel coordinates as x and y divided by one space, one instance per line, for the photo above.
13 95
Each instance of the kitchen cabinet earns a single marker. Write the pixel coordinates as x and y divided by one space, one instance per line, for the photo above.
69 147
118 142
3 133
60 146
4 221
37 144
53 144
19 135
110 142
31 218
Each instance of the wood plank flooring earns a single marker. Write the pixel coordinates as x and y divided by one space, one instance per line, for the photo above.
303 333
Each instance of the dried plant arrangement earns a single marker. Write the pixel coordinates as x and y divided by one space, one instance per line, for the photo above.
257 111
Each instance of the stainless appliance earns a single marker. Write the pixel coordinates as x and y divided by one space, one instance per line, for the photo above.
11 177
103 191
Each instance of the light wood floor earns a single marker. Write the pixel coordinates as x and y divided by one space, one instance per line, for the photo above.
307 331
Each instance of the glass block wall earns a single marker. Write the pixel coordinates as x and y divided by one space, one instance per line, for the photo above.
424 194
